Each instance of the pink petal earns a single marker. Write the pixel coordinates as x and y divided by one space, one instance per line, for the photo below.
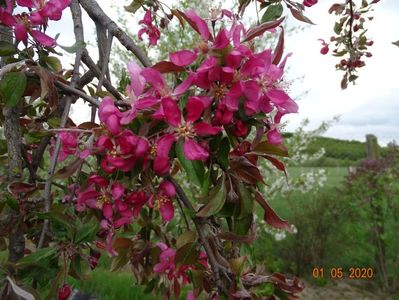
194 110
171 111
21 34
167 211
162 246
137 82
183 58
154 77
164 144
190 296
43 38
117 190
198 24
26 3
253 67
278 97
274 137
185 85
193 151
233 59
113 125
161 165
205 100
222 39
167 188
107 210
233 96
203 129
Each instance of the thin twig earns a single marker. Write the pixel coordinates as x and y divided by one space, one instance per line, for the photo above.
217 268
97 14
78 29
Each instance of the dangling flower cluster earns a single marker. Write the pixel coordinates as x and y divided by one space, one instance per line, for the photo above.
149 29
33 22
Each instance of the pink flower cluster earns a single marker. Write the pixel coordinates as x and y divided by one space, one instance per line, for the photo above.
32 22
167 266
118 206
225 87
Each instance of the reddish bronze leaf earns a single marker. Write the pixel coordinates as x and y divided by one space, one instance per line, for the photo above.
242 169
17 188
271 216
167 67
278 52
297 14
260 29
69 170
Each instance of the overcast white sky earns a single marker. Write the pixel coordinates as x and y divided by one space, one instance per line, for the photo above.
371 106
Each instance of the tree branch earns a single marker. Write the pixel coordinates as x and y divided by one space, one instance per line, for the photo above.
97 14
78 30
217 268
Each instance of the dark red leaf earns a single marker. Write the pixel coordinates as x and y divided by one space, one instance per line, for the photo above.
242 169
260 29
271 217
266 148
88 125
167 67
277 163
69 170
278 51
17 188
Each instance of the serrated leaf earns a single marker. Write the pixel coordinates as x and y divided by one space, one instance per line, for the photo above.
216 200
187 255
12 88
7 49
273 12
41 255
195 169
86 233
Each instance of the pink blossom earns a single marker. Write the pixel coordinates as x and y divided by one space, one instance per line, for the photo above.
162 200
149 29
187 130
121 151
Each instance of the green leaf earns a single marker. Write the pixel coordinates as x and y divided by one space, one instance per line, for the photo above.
273 12
223 153
217 198
187 255
134 6
187 237
12 88
7 49
74 48
194 168
53 63
44 254
247 202
86 233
